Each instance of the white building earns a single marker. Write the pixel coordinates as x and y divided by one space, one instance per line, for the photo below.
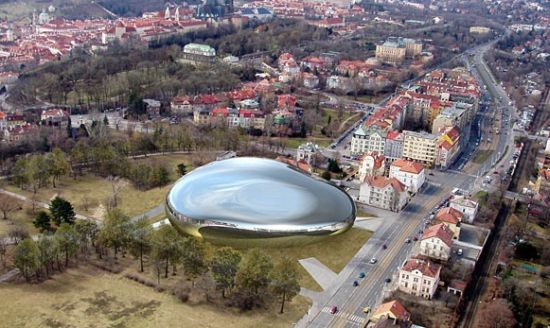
368 140
436 242
419 277
307 152
409 173
372 164
467 207
385 193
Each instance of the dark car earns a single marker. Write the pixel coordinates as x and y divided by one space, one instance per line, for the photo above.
388 280
333 309
384 246
355 283
362 275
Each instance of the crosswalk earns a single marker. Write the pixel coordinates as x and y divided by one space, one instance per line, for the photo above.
355 319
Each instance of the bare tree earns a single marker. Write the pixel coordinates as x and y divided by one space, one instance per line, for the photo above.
3 249
116 187
496 314
8 205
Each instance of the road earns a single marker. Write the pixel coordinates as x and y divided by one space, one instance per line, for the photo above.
351 300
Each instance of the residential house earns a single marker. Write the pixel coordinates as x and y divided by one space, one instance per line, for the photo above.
372 164
409 173
181 105
54 116
153 107
542 185
450 217
393 310
419 277
466 206
385 193
307 152
301 164
3 121
436 242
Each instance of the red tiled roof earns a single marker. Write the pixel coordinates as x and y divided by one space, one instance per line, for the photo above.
440 231
408 166
458 284
383 182
449 215
397 310
426 267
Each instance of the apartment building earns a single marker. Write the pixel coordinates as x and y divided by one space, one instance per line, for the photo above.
419 277
385 193
409 173
368 139
420 147
436 242
450 117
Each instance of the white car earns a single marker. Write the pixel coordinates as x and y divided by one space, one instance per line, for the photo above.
373 260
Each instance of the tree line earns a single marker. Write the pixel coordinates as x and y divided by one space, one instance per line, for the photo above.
248 279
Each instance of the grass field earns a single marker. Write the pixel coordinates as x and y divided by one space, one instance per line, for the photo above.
94 191
334 252
482 155
87 297
295 142
22 217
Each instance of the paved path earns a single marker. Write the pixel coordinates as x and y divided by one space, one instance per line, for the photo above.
371 224
156 211
321 273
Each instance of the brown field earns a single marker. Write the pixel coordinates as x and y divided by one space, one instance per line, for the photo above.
89 297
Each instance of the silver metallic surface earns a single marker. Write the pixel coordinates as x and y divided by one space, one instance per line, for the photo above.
257 197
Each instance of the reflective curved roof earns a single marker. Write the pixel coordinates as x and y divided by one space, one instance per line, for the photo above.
260 194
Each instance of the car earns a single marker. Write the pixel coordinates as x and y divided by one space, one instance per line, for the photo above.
384 246
496 172
415 238
407 241
355 283
362 275
373 260
459 252
387 280
366 309
430 173
333 309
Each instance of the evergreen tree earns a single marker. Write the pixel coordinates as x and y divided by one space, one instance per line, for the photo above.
62 211
42 221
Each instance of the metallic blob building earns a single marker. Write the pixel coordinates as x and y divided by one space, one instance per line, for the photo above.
254 198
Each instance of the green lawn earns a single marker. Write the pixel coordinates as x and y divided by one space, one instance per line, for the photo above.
295 142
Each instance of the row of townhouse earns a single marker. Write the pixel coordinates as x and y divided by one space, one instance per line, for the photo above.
439 150
230 117
444 103
185 105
